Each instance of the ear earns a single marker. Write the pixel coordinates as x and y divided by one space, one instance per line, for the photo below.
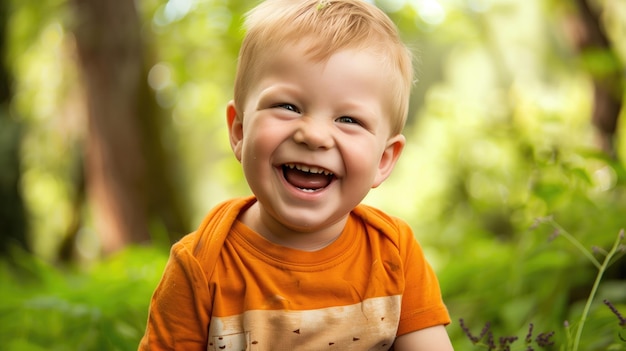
388 160
235 129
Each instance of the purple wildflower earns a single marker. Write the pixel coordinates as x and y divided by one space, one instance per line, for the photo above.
529 336
554 235
490 343
622 320
543 339
474 339
506 341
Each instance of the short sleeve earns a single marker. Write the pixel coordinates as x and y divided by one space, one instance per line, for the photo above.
422 304
180 307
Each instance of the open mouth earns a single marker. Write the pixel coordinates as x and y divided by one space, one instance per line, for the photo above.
307 178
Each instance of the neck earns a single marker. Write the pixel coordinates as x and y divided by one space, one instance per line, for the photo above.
304 239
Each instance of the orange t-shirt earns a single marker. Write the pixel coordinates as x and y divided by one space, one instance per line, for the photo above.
227 288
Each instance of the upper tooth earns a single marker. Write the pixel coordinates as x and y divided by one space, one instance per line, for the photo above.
311 169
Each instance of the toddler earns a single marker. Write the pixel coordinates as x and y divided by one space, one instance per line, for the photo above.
321 97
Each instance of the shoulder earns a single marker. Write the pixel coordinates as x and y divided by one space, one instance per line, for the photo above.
380 219
392 227
210 234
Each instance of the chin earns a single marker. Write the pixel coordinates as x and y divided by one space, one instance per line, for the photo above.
310 223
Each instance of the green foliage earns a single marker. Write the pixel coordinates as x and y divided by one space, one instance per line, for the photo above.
572 339
496 269
505 272
101 307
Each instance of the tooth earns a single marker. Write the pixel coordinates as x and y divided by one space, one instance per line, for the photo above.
305 168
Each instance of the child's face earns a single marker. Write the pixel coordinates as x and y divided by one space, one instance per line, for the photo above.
314 137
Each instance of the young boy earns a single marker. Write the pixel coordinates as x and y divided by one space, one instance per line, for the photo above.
320 100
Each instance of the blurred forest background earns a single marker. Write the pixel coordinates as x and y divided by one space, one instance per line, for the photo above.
113 145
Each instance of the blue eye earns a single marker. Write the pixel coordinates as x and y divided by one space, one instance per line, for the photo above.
347 119
288 107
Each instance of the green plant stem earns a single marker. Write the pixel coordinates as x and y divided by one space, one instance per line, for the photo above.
568 331
576 243
601 269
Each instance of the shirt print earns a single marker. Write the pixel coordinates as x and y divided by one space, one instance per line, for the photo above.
369 325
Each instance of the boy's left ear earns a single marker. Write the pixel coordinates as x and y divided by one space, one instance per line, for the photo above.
388 160
235 129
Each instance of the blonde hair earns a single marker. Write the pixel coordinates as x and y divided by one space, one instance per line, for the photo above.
329 26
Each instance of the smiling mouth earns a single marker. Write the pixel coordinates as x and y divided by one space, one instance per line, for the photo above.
307 178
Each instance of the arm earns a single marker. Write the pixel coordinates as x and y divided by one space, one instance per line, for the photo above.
429 339
180 307
422 325
423 309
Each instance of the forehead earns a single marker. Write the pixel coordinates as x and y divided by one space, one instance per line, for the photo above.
311 51
368 61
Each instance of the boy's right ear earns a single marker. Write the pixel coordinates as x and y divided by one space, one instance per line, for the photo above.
235 129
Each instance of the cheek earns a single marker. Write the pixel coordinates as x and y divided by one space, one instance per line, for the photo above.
362 160
250 154
258 146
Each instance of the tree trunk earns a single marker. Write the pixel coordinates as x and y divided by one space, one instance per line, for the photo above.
121 143
589 38
12 213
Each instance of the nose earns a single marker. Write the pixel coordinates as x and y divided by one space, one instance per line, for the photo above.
314 133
